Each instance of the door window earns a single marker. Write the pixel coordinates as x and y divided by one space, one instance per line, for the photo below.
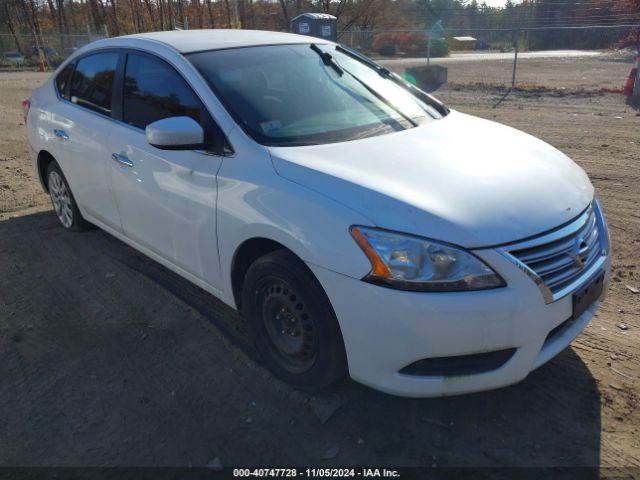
153 90
92 84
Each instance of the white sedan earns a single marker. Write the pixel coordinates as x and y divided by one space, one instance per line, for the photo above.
360 226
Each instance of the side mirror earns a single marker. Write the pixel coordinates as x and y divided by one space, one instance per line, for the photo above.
175 133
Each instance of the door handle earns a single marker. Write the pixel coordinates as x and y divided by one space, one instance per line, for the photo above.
121 159
61 134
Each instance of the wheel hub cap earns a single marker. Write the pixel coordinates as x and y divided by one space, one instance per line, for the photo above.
61 199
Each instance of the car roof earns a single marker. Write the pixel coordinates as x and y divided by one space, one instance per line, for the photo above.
189 41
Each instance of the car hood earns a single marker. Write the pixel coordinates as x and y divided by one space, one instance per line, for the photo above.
460 179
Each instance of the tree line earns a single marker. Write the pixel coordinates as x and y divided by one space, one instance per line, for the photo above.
535 22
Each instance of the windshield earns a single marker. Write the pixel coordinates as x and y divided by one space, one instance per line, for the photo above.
285 95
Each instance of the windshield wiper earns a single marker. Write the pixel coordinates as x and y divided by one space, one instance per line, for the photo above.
382 71
397 79
382 99
327 59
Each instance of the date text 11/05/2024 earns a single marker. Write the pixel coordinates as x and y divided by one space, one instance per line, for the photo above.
316 473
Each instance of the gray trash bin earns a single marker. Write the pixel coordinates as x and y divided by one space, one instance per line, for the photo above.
321 25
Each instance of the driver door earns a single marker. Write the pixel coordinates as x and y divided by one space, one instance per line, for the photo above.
166 198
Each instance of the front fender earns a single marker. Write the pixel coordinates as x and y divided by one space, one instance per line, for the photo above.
255 202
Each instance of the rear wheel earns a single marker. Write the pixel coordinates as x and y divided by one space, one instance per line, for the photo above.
297 333
62 199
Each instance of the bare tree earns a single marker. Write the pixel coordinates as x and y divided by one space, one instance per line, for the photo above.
54 14
73 24
147 4
62 17
210 11
9 22
228 8
285 13
115 24
198 13
162 15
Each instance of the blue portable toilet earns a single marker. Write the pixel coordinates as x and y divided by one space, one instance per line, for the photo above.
321 25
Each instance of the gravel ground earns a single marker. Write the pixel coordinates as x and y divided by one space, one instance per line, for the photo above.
106 358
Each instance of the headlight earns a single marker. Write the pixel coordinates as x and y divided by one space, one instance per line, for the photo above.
406 262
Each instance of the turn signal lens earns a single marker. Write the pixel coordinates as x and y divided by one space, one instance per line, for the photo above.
379 269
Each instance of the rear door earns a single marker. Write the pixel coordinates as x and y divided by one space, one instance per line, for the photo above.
80 125
166 198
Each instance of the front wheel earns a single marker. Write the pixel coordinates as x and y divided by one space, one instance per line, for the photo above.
297 333
62 199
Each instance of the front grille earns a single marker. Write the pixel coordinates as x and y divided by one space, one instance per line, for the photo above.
562 261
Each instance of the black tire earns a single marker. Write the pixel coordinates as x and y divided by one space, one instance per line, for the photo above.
280 291
64 204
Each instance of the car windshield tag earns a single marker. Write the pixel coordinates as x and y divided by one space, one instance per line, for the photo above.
270 126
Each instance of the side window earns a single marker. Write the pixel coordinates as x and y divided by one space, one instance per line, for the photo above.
62 80
92 83
153 91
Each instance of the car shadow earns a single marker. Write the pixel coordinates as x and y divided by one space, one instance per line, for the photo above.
106 361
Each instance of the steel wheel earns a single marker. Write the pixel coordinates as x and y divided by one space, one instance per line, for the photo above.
296 331
61 199
288 325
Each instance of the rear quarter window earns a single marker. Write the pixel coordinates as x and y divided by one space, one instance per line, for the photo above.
62 80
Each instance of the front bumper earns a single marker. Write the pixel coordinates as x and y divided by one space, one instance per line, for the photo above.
385 330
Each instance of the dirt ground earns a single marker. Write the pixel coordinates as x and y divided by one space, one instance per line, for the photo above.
106 358
607 70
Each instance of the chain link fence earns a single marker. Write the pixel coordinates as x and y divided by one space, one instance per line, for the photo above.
490 59
497 59
29 51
